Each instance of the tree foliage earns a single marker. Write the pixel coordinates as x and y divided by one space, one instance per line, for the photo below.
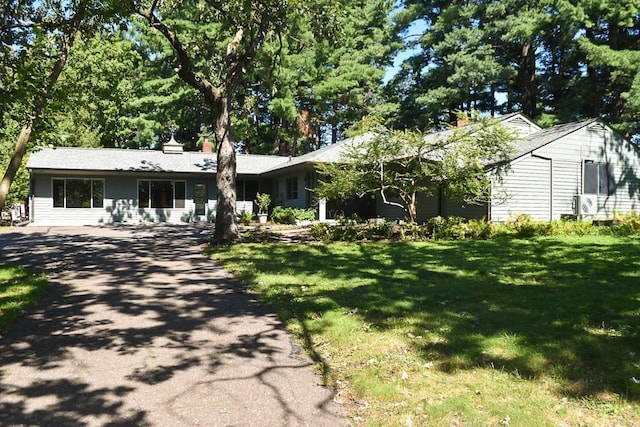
397 165
556 61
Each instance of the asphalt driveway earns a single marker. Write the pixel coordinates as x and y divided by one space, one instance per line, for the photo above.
139 328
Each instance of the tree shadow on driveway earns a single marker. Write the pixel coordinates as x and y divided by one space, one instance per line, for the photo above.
139 328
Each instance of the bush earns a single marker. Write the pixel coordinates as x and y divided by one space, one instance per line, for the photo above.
628 224
523 225
305 214
246 217
284 215
481 229
384 230
453 227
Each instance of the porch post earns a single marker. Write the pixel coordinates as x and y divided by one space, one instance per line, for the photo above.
322 210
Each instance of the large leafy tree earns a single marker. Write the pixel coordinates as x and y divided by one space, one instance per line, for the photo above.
214 43
36 40
30 35
397 165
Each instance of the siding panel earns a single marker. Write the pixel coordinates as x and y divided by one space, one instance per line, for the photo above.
525 189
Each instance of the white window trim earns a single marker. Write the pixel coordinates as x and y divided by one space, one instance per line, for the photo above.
80 178
173 199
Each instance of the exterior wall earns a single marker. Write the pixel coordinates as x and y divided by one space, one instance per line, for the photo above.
121 202
545 184
567 181
392 213
601 145
524 189
431 206
464 210
521 126
280 188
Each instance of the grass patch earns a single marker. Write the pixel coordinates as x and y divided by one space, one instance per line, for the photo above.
19 291
528 332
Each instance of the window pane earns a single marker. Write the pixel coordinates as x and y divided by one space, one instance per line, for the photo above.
605 184
161 194
590 178
78 193
143 194
180 195
200 199
292 188
58 193
97 193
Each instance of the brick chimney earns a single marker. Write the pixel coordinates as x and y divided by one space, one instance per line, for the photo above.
207 146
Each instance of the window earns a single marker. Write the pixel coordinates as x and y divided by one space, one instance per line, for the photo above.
143 194
161 194
598 178
292 188
200 199
58 193
78 193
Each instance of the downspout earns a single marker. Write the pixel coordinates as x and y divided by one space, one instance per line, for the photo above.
550 183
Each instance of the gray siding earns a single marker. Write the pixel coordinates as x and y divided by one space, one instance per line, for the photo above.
566 184
428 207
521 126
120 202
599 144
301 201
524 189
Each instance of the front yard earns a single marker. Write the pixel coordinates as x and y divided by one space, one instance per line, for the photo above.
533 332
20 290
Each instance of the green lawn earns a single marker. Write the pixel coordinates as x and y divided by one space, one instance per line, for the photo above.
19 291
520 332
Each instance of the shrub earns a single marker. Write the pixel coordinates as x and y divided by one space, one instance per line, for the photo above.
246 217
384 230
282 215
523 225
413 231
287 215
305 214
480 229
321 231
628 224
453 227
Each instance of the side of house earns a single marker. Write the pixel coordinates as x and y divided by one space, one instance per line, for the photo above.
583 169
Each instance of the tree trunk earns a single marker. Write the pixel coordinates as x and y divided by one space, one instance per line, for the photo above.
411 208
226 222
528 79
15 163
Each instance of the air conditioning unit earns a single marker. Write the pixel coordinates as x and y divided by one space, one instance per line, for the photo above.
586 204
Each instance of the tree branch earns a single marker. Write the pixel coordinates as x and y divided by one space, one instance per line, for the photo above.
185 71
